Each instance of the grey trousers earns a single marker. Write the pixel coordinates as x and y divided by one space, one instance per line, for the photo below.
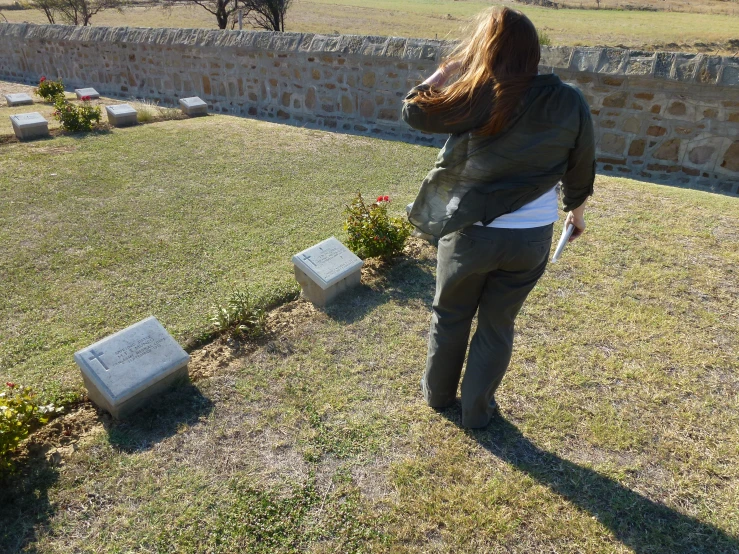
489 271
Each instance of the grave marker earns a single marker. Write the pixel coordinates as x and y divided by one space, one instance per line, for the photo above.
18 99
91 92
193 106
121 115
29 125
326 270
125 370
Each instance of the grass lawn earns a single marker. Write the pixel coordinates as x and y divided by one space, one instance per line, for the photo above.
446 19
619 429
160 219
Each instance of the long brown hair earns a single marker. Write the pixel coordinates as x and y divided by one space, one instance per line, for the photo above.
501 55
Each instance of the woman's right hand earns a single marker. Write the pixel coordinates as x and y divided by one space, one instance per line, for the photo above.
577 218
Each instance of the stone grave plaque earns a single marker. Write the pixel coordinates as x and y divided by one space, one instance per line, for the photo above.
29 125
91 92
121 115
326 270
193 106
124 371
18 99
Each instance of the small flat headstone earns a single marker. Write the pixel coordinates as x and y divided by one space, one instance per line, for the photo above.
326 270
193 106
18 99
29 125
121 115
124 371
91 92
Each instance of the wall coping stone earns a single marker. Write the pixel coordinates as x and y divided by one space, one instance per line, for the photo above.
684 67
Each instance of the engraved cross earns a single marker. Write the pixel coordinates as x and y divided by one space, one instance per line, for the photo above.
307 258
96 356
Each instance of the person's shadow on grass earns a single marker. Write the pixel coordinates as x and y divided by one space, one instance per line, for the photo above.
407 280
645 526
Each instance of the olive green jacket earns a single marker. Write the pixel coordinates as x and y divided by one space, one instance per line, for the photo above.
478 178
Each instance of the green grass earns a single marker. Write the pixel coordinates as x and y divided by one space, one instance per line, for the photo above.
446 19
160 220
620 410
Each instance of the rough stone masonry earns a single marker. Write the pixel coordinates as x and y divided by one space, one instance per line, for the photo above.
660 116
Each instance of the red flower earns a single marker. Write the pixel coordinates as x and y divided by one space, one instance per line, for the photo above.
11 385
85 99
42 79
386 199
379 198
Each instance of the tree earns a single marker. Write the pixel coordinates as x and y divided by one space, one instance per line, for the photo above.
263 14
222 9
48 7
75 12
267 14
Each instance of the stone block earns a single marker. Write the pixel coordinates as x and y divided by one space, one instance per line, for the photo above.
193 106
91 92
125 371
731 158
121 115
29 125
18 99
326 270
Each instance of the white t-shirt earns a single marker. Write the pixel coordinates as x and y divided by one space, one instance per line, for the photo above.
542 211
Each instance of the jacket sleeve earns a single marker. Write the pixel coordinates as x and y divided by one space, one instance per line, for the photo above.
577 183
449 124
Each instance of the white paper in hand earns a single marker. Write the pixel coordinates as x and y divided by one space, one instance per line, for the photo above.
566 234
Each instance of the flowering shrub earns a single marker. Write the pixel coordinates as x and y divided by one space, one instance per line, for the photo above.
372 232
19 414
75 118
49 90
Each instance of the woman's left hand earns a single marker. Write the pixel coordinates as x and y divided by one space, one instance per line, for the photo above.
441 75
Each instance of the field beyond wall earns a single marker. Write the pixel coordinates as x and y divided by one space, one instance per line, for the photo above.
706 26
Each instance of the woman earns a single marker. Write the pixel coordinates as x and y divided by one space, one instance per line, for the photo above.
492 197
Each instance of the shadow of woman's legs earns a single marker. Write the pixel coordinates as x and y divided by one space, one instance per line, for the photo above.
646 526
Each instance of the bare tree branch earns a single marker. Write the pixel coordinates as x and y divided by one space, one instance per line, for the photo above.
267 14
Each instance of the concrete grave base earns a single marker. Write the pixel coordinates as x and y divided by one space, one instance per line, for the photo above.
326 270
193 106
18 99
320 297
29 126
140 400
91 92
130 368
121 115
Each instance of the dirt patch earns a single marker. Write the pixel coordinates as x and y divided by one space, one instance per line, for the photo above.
7 87
60 438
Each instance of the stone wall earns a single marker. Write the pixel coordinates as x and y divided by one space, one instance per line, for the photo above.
664 117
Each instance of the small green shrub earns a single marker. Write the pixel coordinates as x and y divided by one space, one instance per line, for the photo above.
49 90
74 118
19 414
242 315
372 232
544 39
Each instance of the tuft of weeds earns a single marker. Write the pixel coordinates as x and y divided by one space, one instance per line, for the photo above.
150 110
242 315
